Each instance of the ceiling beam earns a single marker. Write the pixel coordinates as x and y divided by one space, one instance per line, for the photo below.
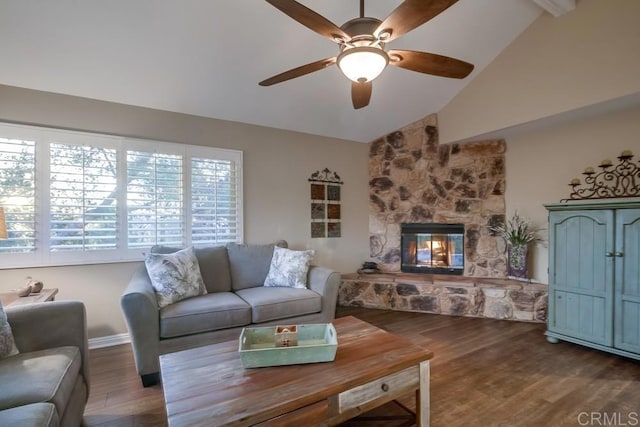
557 7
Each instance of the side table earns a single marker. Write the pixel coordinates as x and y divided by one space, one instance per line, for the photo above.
12 299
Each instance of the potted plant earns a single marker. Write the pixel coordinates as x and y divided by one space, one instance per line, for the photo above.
518 233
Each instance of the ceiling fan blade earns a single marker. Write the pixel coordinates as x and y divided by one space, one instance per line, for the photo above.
430 63
360 94
409 15
310 19
299 71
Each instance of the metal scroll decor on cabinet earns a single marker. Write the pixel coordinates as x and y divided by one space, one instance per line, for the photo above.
325 204
621 180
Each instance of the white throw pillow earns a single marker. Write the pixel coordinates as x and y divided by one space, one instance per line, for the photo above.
175 276
289 268
7 343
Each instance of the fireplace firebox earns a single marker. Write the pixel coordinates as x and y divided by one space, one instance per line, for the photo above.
432 248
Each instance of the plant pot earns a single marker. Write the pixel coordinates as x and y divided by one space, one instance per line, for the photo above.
518 260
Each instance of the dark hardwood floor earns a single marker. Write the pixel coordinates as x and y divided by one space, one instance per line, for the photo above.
484 373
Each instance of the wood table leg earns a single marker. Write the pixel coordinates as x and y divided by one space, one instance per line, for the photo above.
422 396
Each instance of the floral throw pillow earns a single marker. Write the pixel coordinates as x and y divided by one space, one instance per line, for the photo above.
7 343
175 276
289 268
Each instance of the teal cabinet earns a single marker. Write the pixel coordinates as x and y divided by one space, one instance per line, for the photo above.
627 283
594 278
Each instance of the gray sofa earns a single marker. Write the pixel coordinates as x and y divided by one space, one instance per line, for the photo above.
234 277
47 383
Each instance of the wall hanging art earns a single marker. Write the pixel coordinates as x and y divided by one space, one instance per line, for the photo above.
325 204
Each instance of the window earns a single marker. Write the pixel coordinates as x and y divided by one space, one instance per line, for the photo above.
154 199
83 193
76 198
17 189
213 204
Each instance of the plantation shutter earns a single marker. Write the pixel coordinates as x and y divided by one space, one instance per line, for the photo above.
17 194
214 201
83 198
154 199
74 198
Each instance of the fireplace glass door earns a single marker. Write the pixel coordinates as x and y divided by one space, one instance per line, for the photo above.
433 248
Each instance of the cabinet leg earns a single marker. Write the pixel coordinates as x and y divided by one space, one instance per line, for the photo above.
553 340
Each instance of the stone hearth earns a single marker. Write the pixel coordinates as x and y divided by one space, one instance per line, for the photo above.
414 179
494 298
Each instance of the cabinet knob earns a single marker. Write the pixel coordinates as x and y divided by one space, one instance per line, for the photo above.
608 254
619 254
385 387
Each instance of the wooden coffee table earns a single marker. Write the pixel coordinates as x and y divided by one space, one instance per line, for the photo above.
208 385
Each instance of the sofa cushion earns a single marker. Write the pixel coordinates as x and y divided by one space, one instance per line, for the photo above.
249 264
40 376
7 343
33 415
289 268
214 266
175 276
279 303
209 312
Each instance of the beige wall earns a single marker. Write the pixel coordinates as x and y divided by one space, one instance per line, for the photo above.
277 165
533 94
540 164
584 57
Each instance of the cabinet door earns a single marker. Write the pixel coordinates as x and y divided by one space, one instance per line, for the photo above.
581 274
627 293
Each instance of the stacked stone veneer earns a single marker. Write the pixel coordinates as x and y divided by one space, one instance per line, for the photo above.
413 179
438 294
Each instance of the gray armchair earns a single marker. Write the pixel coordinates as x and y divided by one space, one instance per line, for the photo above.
47 383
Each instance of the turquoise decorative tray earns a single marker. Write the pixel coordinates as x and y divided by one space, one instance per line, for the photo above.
315 343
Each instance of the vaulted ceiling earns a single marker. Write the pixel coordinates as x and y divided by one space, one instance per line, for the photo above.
206 57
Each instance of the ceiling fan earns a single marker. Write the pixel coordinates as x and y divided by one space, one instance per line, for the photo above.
362 45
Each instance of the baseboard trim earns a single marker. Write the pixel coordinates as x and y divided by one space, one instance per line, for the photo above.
109 341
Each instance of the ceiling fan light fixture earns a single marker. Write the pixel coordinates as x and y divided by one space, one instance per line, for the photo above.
384 34
362 63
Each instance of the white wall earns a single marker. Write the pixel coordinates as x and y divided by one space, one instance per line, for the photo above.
540 164
277 165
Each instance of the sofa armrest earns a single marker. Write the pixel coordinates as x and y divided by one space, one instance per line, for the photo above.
43 325
141 313
325 282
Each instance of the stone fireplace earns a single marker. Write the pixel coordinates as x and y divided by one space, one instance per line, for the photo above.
414 179
436 188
